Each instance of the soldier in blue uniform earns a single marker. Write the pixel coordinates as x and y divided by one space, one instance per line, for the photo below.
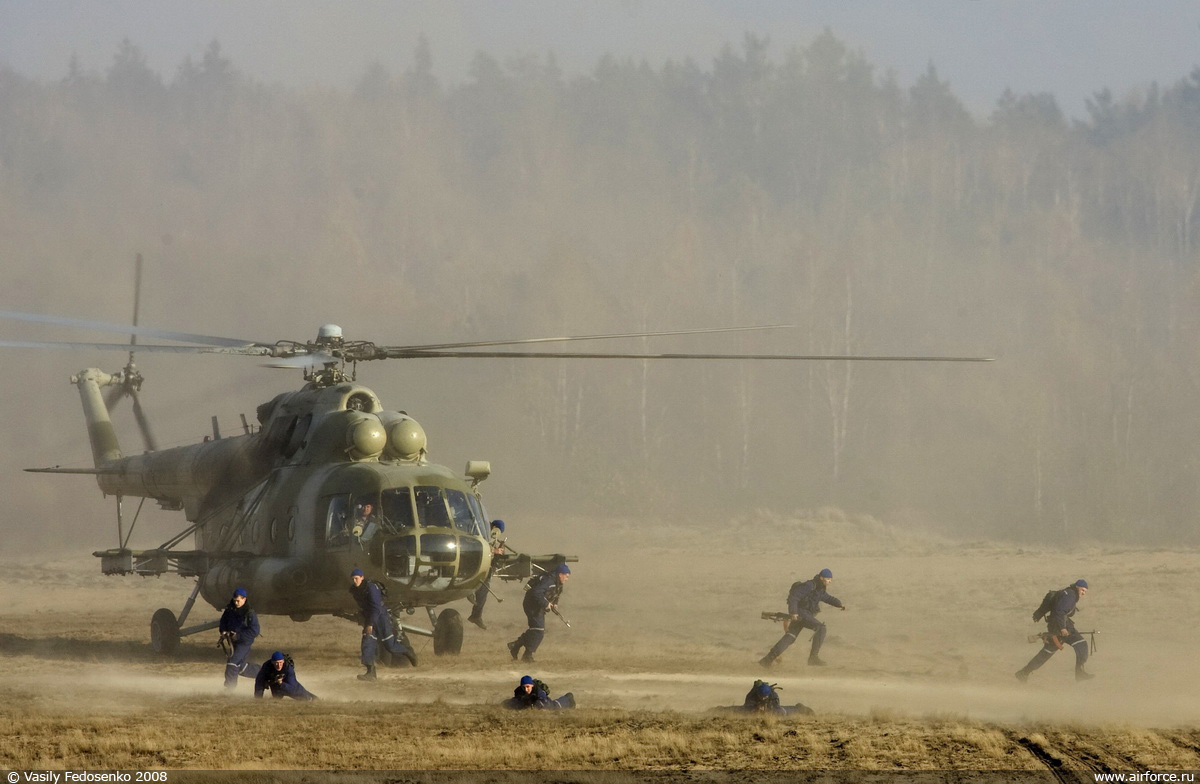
377 625
481 595
532 693
763 697
804 602
539 599
1060 630
278 674
238 627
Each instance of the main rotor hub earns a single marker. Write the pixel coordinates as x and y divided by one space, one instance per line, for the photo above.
329 335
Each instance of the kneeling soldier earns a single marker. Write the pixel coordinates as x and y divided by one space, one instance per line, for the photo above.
279 675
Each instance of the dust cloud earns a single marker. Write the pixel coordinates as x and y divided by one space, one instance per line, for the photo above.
666 618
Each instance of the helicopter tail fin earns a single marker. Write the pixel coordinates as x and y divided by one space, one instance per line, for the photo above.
103 437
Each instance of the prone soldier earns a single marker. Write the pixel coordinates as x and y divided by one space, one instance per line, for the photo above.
532 693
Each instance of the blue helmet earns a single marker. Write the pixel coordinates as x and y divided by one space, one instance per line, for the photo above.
498 524
526 680
828 575
563 569
1081 583
357 573
277 656
239 592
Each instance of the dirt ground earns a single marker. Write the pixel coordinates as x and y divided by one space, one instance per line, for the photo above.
665 626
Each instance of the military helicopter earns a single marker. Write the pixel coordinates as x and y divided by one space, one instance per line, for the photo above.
280 508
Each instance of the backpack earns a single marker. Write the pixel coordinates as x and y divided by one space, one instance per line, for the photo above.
1046 606
762 699
382 588
542 687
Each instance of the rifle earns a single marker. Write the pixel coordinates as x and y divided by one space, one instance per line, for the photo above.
225 643
554 610
776 616
1053 639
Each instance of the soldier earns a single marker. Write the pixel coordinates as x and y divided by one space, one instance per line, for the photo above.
532 693
238 627
763 697
541 597
804 602
1060 630
365 521
278 674
377 624
481 595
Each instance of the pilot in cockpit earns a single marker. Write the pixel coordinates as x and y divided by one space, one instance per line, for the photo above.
366 521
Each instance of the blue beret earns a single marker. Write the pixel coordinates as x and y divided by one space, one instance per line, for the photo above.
1081 583
764 689
828 575
357 573
239 592
498 524
277 656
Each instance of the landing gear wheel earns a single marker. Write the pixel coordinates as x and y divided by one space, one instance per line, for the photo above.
447 633
164 632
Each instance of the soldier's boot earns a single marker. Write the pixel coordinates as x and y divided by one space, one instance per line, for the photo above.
528 658
514 648
815 661
1040 658
369 675
411 655
477 620
1082 674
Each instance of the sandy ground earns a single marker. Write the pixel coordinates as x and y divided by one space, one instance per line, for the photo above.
666 618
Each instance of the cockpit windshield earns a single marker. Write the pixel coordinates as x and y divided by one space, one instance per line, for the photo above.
431 507
460 511
397 507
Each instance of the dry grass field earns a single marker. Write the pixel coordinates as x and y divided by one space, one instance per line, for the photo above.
665 627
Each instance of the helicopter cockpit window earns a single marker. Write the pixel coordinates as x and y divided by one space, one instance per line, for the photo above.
481 525
460 511
431 509
397 507
337 519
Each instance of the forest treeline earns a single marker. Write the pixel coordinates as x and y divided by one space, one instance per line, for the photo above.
799 187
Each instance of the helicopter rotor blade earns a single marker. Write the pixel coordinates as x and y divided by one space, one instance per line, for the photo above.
253 350
598 355
143 424
101 326
302 360
526 341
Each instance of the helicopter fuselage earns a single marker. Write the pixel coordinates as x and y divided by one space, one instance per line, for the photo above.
282 511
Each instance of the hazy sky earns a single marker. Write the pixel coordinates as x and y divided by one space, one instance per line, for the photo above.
1070 48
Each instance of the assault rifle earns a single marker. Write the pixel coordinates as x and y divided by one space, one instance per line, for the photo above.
225 643
554 610
1055 640
776 616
